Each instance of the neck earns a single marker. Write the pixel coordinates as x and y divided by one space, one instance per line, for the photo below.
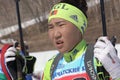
75 52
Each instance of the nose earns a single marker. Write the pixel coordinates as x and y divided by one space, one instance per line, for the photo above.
57 33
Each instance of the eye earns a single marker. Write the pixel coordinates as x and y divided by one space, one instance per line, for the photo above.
50 26
61 24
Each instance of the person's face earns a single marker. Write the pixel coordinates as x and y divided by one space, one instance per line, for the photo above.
63 34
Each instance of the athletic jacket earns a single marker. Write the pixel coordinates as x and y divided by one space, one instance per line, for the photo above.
71 66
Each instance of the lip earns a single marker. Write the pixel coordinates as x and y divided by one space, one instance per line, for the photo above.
59 44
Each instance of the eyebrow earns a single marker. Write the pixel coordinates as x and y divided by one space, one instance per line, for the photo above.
57 22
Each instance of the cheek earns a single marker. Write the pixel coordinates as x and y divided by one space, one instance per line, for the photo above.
50 35
72 37
69 42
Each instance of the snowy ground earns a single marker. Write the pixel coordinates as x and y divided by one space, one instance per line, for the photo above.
42 57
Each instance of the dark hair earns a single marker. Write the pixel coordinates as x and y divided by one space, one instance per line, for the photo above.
80 4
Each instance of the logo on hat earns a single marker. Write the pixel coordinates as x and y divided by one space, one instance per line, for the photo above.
53 12
74 17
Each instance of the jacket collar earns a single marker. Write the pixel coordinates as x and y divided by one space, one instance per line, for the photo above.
76 52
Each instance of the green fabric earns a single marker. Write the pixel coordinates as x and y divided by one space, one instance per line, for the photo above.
47 70
69 13
2 77
76 52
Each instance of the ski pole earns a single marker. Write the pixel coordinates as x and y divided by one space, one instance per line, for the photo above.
103 18
113 39
19 67
20 28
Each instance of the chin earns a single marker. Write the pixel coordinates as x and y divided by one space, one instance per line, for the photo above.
62 51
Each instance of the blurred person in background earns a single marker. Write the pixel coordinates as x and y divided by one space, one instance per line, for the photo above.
9 55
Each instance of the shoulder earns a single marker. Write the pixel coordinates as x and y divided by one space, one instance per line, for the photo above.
49 63
48 68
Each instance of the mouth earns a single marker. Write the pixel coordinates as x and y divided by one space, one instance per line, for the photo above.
59 44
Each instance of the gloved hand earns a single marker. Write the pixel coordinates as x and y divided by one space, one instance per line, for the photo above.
10 54
10 61
27 63
105 52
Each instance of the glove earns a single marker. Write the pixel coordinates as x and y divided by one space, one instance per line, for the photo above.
106 53
27 63
10 54
10 61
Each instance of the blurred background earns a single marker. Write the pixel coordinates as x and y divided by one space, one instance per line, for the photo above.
34 14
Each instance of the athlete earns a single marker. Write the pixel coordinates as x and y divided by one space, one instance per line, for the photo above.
8 63
67 23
